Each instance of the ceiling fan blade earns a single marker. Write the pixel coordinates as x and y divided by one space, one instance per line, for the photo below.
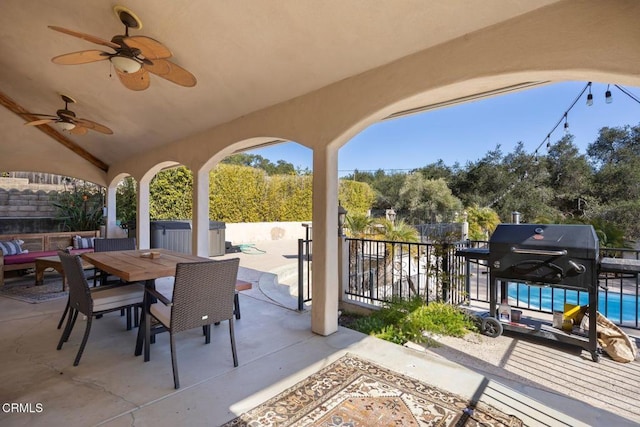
78 130
93 126
82 57
171 71
39 122
41 115
150 48
135 81
87 37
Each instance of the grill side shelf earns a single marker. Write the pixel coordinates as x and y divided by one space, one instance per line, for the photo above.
473 253
619 265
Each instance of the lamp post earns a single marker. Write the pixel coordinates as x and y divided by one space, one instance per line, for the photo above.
342 215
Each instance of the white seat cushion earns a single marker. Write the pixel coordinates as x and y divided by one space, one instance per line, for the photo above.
117 296
162 313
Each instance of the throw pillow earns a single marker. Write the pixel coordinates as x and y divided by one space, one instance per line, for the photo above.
11 247
83 242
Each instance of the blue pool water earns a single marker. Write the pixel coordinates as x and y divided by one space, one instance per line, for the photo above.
610 304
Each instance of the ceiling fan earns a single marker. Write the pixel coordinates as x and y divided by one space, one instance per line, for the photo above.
134 57
66 120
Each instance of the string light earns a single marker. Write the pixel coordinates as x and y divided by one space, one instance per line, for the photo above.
564 117
629 94
607 96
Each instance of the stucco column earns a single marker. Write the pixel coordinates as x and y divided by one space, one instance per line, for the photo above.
111 210
200 214
324 309
142 217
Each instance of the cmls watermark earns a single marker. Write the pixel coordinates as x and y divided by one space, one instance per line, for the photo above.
22 408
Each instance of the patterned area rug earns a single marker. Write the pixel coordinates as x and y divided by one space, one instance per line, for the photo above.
23 288
353 392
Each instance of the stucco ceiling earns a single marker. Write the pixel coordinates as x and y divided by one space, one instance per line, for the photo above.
246 55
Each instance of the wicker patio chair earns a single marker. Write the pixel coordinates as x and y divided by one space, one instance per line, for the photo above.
93 303
203 294
106 245
109 245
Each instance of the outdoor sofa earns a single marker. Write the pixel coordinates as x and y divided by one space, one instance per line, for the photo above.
19 251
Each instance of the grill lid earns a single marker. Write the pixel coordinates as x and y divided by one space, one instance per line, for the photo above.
580 241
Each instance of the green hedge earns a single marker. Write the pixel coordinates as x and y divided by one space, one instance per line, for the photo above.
246 194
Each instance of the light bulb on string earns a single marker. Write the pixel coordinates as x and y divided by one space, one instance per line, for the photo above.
589 96
607 96
566 124
548 142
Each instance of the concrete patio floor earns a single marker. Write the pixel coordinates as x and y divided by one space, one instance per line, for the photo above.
276 349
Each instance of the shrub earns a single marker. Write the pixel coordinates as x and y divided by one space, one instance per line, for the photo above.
402 321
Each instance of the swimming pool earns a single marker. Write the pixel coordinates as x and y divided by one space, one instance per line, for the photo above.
619 308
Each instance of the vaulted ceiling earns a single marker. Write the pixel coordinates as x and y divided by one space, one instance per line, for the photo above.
245 55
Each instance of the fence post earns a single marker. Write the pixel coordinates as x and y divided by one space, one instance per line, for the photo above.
343 267
446 274
301 274
467 280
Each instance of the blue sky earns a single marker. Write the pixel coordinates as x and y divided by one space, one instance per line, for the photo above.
464 133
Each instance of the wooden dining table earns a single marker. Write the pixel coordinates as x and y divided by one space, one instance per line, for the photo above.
138 265
141 265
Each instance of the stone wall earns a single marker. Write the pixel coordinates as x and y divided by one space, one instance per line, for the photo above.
26 204
27 208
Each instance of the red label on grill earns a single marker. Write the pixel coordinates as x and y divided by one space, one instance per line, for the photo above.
538 237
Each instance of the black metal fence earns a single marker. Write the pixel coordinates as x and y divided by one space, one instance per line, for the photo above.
304 271
380 270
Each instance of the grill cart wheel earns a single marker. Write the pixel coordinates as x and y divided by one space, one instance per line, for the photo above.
491 327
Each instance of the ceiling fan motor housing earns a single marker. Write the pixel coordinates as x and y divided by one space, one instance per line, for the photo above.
65 113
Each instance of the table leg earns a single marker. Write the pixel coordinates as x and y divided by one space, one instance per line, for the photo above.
140 340
39 274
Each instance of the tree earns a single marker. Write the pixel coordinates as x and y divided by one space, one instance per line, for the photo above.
356 197
427 200
395 231
483 182
438 170
358 225
281 167
527 191
386 186
482 222
126 201
615 145
569 176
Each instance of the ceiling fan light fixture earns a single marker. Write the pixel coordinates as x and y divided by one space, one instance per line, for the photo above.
65 125
125 64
